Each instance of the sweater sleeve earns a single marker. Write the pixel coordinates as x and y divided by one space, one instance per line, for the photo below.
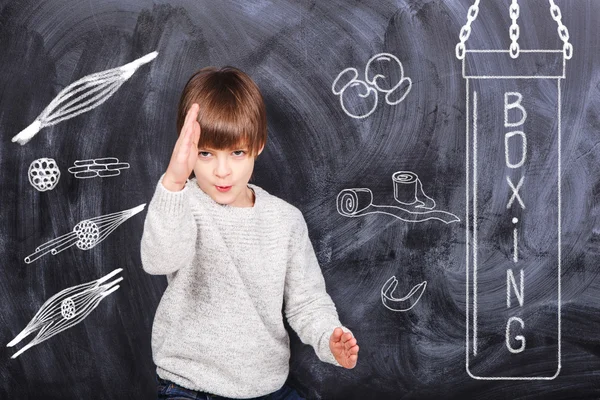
308 308
169 237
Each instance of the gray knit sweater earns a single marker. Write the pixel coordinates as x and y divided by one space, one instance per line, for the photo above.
232 272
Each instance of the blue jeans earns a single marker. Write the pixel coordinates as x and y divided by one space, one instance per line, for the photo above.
172 391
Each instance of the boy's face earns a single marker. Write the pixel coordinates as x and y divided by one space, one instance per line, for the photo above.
224 175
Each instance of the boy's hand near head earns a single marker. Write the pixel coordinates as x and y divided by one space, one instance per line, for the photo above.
344 348
185 153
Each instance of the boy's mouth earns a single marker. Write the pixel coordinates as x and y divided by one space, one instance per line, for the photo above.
223 188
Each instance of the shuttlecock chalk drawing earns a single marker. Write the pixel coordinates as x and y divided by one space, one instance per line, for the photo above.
100 167
401 303
43 174
82 96
383 73
66 309
86 234
408 191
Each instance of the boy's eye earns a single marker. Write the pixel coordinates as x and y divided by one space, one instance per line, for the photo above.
239 153
204 154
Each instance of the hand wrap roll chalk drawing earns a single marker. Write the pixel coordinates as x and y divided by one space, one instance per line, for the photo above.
513 202
359 202
408 190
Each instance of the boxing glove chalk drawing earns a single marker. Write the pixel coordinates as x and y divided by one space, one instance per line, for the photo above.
384 74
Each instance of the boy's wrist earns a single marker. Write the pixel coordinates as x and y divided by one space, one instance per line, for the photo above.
172 185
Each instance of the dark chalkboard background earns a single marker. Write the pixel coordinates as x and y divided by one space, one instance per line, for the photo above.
294 50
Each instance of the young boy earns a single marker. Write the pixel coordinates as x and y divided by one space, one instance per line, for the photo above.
236 257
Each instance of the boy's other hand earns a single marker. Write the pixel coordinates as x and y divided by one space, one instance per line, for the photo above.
344 348
185 153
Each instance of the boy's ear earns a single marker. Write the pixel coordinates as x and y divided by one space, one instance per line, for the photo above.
260 151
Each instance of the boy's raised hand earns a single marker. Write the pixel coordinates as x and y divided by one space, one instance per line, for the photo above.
185 153
344 348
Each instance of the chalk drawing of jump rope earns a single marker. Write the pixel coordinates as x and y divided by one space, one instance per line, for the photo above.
66 309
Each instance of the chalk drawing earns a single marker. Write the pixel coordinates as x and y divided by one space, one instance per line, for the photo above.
401 303
408 191
66 309
395 91
86 234
43 174
352 88
384 73
100 167
512 103
81 96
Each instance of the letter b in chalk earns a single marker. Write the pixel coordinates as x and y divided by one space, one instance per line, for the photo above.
508 105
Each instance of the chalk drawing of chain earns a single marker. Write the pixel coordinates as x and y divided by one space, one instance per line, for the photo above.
66 309
514 30
81 96
408 191
86 234
379 77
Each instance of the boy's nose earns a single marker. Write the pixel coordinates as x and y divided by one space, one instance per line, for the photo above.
222 170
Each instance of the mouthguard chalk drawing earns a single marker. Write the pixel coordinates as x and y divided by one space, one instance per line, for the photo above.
513 184
91 90
100 167
408 191
43 174
66 309
403 303
86 234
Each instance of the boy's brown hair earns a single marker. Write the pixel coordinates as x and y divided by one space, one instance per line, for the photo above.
232 111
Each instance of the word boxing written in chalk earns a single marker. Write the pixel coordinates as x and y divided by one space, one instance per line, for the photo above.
512 101
100 167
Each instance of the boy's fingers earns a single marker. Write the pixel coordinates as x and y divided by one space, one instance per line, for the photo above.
196 129
337 334
183 153
347 336
189 116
